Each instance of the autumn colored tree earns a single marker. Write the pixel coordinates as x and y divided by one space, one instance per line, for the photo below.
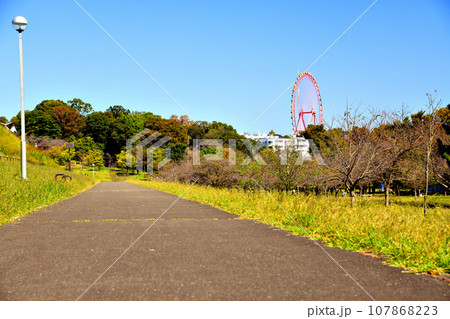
69 120
168 127
183 119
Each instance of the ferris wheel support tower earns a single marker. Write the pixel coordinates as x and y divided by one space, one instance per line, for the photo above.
298 112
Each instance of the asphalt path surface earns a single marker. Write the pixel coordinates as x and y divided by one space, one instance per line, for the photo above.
107 243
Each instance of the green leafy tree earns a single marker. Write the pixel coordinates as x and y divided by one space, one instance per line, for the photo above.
158 156
3 119
123 128
218 130
215 130
208 151
178 151
94 157
121 161
117 111
198 129
37 123
48 106
145 115
98 126
84 145
314 132
81 107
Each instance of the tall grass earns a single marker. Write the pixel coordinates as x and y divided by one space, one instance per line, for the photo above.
399 232
20 197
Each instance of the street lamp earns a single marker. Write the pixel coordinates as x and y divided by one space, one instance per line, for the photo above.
20 24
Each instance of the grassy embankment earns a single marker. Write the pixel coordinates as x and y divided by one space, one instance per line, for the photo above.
400 232
20 197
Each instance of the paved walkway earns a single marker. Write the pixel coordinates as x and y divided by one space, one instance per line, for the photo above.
194 252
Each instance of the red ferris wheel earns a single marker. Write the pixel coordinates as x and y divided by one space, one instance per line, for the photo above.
306 103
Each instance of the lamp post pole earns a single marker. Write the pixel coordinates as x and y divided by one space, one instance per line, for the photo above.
20 24
22 114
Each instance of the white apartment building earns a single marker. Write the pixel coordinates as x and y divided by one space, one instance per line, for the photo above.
299 144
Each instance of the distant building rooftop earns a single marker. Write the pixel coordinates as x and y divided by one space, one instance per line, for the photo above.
11 127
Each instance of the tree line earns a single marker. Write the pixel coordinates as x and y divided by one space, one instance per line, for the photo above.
100 137
361 150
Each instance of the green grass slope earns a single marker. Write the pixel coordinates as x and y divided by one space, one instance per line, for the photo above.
19 197
10 146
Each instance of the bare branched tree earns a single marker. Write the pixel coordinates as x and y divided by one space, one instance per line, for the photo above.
395 137
411 168
433 126
350 152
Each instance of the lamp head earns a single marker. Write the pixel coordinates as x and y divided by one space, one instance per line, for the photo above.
19 23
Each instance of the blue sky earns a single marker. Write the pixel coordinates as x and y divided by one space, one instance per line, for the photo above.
226 60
